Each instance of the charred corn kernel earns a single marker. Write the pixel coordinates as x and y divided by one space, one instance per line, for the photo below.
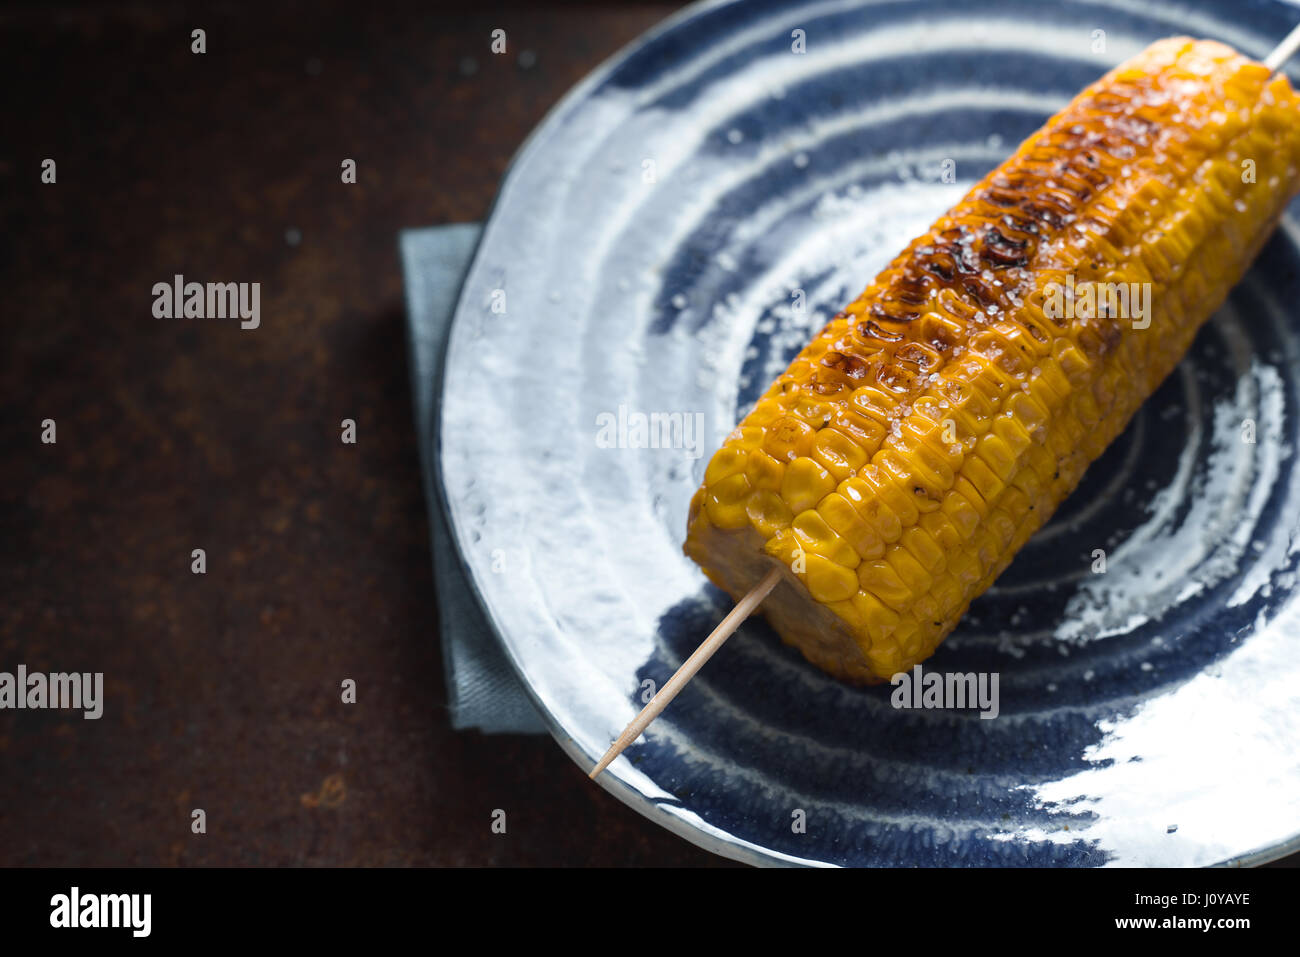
941 417
805 484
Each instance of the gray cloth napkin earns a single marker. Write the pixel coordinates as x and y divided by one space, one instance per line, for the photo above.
482 689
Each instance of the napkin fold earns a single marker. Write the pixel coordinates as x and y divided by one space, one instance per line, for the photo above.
483 691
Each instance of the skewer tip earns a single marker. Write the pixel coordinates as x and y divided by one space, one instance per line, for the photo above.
1283 51
729 624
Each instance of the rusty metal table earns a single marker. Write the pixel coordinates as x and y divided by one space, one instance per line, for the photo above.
223 689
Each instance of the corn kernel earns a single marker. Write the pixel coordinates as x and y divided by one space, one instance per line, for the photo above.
908 569
727 461
997 455
768 512
828 580
838 454
818 538
805 484
982 478
880 578
726 501
885 486
763 471
788 438
844 519
922 547
871 508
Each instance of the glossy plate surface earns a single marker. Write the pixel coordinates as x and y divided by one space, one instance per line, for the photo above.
665 242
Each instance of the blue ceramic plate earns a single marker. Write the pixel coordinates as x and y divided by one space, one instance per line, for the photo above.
671 235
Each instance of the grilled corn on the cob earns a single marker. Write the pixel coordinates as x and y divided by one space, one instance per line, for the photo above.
920 439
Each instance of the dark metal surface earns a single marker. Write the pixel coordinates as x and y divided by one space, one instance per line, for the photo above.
223 691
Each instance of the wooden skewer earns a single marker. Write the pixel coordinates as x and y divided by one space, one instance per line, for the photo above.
1283 51
745 607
